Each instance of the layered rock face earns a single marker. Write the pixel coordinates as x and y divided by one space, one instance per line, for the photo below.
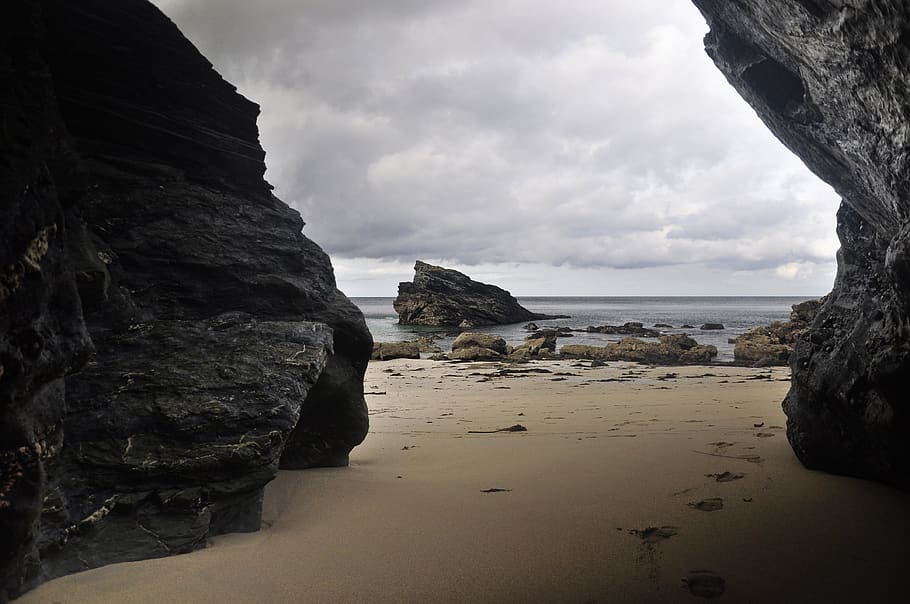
138 215
442 296
829 78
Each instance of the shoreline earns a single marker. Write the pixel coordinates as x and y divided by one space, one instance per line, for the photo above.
628 478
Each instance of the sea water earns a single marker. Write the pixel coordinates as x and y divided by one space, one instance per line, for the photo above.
737 314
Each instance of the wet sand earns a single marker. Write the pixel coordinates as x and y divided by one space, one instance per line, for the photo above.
630 484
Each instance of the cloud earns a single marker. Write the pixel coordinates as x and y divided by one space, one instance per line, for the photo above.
581 135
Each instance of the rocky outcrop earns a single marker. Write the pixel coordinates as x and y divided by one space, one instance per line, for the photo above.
829 79
388 351
473 346
626 329
676 349
138 216
773 344
441 296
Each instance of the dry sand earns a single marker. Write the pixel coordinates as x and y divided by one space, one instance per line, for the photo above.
627 479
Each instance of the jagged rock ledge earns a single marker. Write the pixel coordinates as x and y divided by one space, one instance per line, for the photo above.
444 297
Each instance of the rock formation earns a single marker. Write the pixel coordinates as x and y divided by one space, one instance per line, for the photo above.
829 78
387 351
773 344
441 296
168 336
626 329
676 349
473 346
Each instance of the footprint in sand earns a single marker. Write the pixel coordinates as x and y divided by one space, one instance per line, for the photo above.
726 476
712 504
654 534
764 434
704 583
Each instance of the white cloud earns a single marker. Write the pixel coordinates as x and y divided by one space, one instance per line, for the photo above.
590 140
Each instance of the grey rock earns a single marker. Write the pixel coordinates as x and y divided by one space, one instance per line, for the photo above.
470 339
441 296
631 328
829 79
714 326
387 351
773 344
677 349
475 353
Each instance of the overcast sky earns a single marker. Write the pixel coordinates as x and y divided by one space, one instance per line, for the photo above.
581 147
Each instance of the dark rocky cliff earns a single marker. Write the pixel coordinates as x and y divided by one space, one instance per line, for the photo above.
168 336
829 78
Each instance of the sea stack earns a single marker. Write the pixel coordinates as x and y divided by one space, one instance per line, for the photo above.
444 297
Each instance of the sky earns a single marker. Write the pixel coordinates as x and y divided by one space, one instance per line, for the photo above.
585 147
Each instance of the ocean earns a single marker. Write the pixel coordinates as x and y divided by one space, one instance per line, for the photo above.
737 314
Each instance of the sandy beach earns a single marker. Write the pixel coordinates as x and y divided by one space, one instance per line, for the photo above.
627 480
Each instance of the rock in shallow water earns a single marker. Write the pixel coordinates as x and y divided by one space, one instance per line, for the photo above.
442 296
829 79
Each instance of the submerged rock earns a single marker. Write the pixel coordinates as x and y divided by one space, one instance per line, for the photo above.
441 296
631 328
829 79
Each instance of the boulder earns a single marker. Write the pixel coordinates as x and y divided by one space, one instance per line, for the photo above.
387 351
471 339
475 353
428 344
442 296
663 326
168 336
829 79
712 326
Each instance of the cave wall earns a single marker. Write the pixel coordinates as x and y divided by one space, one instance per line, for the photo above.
829 78
168 337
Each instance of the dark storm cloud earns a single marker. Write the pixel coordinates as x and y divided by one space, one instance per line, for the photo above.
581 134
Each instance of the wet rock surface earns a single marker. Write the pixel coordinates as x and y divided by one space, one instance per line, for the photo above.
829 79
773 344
138 216
441 296
676 349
